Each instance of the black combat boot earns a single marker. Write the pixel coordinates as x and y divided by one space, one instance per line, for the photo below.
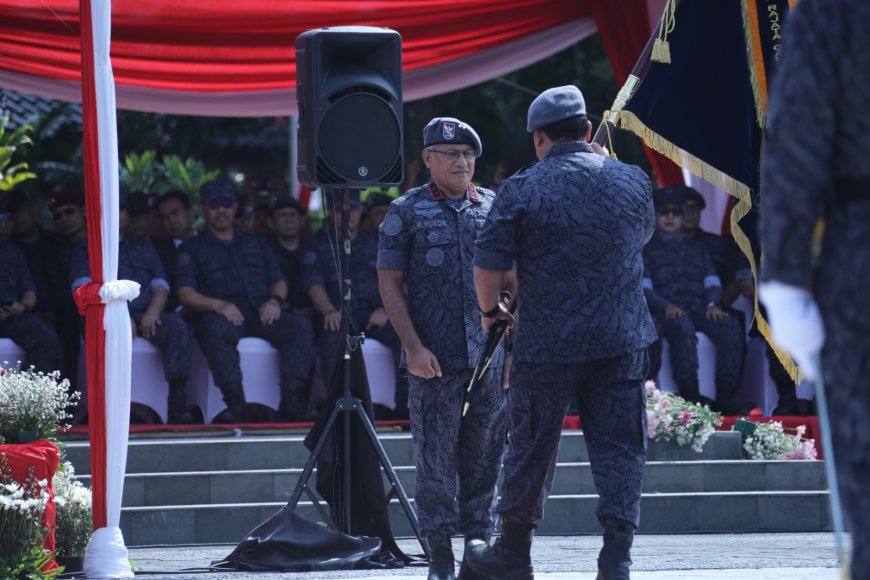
726 401
178 412
689 390
293 407
788 403
465 571
237 408
440 558
615 558
509 558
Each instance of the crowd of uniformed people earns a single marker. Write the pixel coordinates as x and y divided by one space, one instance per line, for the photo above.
251 269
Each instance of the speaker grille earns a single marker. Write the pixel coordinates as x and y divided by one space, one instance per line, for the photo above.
360 140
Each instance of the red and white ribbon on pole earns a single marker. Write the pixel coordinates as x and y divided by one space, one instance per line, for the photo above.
109 339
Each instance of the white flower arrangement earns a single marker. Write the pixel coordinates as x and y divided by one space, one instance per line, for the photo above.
33 402
22 506
672 418
768 441
73 502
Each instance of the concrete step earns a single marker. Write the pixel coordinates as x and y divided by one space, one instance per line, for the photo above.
773 511
288 451
275 485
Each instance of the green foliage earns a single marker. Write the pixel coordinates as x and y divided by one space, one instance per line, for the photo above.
187 175
144 172
56 153
140 172
11 140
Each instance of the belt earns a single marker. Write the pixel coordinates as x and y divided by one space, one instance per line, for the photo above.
852 190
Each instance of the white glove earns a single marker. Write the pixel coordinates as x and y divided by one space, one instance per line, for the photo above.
796 323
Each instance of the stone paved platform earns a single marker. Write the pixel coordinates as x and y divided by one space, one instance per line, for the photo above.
656 557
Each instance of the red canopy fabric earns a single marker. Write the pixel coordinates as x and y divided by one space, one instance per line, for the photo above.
165 50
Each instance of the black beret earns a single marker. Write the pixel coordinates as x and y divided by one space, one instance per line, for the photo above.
377 198
669 196
282 201
59 198
450 130
693 194
217 189
335 197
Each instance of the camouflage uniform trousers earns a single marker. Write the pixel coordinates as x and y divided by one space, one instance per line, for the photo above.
36 337
172 338
727 334
612 404
291 334
458 458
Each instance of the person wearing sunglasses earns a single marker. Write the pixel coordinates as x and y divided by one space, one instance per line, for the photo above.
424 270
231 281
684 294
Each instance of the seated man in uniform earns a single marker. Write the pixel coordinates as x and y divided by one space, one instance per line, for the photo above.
683 293
286 219
138 261
321 276
231 282
17 298
177 217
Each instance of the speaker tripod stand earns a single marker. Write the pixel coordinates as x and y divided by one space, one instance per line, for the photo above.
348 405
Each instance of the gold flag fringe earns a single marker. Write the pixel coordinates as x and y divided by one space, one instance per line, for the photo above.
661 51
754 59
629 121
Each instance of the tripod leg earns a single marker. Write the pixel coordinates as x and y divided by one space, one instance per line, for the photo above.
312 461
394 479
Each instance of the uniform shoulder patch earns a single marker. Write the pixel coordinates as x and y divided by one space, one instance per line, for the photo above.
392 225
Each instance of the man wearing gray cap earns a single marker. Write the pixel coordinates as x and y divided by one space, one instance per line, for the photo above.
575 224
427 246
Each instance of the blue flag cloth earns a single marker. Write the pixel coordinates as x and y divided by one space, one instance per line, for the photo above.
704 109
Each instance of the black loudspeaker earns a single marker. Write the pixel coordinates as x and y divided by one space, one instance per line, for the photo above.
349 92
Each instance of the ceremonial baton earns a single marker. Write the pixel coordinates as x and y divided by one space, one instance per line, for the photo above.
493 337
830 467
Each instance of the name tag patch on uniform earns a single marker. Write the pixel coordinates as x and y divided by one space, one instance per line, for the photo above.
392 225
435 257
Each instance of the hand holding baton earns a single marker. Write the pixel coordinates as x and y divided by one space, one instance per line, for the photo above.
507 306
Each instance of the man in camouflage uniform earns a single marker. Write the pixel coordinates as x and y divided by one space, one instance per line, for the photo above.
575 224
231 281
684 292
17 298
138 261
815 167
427 245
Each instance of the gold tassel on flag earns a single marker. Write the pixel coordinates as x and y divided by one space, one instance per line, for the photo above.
661 51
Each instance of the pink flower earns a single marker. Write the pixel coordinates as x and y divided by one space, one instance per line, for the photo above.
652 423
686 417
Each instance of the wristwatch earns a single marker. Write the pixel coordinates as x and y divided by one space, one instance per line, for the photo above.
277 299
712 305
489 313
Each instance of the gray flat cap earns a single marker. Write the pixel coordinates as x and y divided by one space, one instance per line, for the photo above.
555 105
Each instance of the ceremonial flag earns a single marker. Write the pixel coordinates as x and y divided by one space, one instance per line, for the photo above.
701 100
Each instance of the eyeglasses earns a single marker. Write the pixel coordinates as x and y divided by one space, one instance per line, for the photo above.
670 210
453 154
225 202
63 212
